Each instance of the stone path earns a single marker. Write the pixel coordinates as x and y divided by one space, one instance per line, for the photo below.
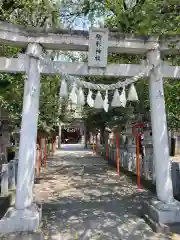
83 199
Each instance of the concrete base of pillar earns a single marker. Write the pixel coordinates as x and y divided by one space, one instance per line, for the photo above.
161 216
26 220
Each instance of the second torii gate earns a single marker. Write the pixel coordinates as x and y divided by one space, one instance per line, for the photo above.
25 216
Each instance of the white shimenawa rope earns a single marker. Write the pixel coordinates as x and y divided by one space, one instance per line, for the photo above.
100 87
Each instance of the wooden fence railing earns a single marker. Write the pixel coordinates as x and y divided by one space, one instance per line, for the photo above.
8 171
45 147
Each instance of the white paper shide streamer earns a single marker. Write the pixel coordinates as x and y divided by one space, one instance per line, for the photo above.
105 103
90 100
116 99
73 95
80 97
123 98
132 94
77 96
98 102
63 89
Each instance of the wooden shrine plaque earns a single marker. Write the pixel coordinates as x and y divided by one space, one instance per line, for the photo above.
98 48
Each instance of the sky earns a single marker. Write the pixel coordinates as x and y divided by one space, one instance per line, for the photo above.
83 23
80 23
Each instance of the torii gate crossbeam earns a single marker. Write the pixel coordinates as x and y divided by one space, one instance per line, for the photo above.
19 65
77 40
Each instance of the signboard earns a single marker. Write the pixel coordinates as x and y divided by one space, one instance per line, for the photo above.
98 48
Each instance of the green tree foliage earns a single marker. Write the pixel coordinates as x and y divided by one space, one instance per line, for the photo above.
146 17
29 12
155 17
38 14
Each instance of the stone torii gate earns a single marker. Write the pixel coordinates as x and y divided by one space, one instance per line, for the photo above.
26 215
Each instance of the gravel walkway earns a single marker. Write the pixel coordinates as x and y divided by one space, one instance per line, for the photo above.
83 198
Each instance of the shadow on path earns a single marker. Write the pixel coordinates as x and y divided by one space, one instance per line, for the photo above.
84 199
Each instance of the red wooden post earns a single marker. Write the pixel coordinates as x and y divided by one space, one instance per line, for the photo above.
54 143
106 146
97 144
93 145
37 160
107 151
45 153
40 155
117 154
138 130
113 139
138 163
52 146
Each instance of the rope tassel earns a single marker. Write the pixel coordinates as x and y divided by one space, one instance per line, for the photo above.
132 95
123 98
105 103
98 102
80 97
116 99
63 92
73 95
90 100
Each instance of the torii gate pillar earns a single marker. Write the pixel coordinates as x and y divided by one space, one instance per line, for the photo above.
26 214
159 130
164 209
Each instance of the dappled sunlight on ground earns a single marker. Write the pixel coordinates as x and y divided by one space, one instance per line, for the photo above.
84 199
